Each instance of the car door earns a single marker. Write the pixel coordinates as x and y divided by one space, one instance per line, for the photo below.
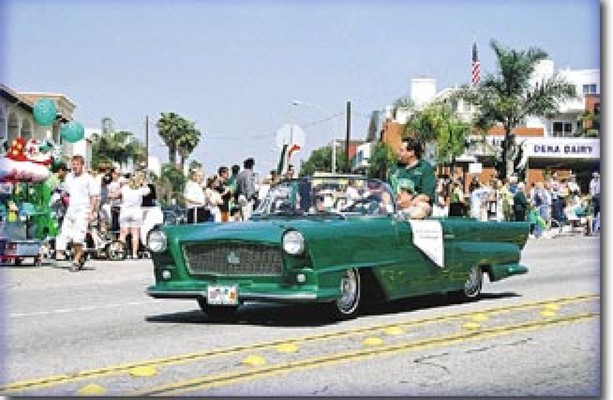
415 270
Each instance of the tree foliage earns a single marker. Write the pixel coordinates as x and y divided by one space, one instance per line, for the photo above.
180 136
509 96
438 124
381 159
170 184
321 161
116 147
373 126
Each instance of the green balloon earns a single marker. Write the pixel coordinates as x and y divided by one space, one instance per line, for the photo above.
45 111
72 131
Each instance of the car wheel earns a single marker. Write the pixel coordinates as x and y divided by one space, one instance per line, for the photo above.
472 286
217 313
348 304
116 251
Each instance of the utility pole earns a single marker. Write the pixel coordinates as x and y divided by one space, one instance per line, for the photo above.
146 142
347 138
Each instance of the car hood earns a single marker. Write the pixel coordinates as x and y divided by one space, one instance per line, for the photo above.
270 231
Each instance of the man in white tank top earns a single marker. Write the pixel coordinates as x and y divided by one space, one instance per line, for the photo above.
83 194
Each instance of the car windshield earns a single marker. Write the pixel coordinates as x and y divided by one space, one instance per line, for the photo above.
326 194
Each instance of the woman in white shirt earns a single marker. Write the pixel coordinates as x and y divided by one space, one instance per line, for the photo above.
131 214
214 197
195 199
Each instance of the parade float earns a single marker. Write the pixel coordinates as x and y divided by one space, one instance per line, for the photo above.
25 209
27 186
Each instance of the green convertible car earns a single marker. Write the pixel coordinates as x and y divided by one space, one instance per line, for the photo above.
334 240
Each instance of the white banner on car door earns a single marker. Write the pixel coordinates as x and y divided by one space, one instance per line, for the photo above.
428 237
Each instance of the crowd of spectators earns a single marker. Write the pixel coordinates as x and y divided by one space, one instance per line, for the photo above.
550 205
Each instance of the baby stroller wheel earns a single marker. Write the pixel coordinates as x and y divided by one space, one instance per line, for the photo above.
116 251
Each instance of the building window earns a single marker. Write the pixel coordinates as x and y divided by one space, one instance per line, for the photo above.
589 89
562 129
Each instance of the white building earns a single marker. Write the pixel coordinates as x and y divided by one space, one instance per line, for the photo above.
17 118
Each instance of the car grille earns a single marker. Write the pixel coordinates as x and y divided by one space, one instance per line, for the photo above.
232 259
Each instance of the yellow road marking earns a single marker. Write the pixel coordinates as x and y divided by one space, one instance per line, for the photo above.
191 385
548 314
372 341
254 360
92 390
143 371
393 330
551 306
287 348
55 380
479 317
471 325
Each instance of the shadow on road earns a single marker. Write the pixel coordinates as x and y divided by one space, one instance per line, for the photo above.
310 315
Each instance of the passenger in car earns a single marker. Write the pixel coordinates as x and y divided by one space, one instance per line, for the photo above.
408 208
386 205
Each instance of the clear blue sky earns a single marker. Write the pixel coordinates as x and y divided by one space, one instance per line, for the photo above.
235 66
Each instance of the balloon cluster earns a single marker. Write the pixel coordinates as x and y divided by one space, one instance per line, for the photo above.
45 112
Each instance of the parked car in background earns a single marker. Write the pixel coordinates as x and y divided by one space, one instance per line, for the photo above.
307 243
174 215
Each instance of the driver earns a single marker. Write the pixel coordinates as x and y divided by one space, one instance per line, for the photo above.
319 205
416 177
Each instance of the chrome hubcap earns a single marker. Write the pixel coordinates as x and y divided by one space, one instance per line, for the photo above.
473 283
349 291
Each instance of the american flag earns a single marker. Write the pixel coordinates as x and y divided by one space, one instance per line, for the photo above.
476 69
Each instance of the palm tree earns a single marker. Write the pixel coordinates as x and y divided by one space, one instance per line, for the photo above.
437 124
179 135
188 142
508 97
170 184
120 147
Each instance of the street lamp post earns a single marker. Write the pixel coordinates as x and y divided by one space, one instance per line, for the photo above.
326 113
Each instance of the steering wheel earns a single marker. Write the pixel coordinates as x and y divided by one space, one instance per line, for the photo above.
368 205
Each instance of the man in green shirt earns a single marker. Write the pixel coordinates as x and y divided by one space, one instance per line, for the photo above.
416 176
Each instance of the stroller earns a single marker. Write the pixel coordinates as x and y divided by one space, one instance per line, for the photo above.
100 243
114 249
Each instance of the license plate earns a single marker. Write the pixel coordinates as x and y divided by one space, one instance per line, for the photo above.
222 295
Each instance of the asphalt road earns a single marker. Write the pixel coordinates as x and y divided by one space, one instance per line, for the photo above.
96 332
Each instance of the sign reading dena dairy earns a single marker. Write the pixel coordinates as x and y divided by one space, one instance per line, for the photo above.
562 148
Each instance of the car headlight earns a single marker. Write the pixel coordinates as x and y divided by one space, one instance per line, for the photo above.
293 242
156 241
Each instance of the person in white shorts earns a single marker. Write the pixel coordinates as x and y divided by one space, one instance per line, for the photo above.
131 214
83 193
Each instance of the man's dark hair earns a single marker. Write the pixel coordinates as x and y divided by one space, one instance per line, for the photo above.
222 170
249 163
235 169
413 144
59 167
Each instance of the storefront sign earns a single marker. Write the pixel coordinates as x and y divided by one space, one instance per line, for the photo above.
563 148
475 168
